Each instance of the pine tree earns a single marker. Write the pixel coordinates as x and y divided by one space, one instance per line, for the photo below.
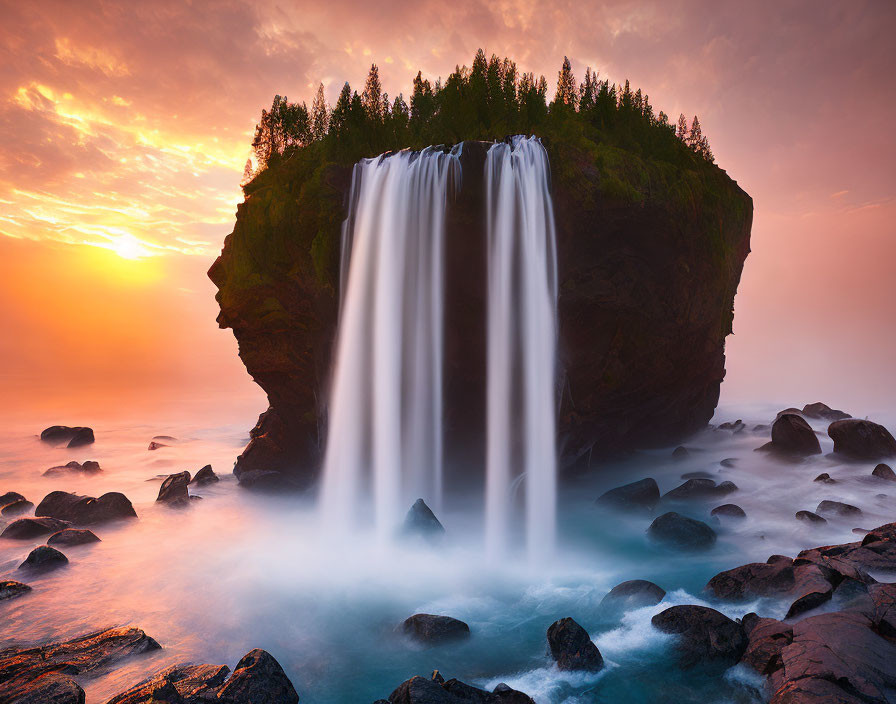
320 114
682 130
372 97
421 99
647 109
588 90
341 111
567 92
695 136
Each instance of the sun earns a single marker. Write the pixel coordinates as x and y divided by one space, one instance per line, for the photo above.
128 247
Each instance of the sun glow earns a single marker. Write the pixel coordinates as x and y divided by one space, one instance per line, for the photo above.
128 247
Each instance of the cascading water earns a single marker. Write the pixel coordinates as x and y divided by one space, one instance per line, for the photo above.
522 335
385 414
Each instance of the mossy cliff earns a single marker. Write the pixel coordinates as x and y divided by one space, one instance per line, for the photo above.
650 253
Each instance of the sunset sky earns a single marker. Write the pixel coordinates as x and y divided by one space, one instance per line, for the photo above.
126 127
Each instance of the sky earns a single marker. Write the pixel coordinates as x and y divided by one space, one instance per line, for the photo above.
126 127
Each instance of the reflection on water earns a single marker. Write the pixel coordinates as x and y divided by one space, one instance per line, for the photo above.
237 571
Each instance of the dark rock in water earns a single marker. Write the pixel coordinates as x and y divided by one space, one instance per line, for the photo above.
435 690
16 508
206 475
825 478
677 531
778 558
729 511
572 648
884 471
9 497
766 637
754 579
178 684
640 495
680 453
89 467
27 528
736 426
633 594
258 677
504 694
862 439
75 436
44 558
433 630
85 510
707 637
729 462
174 492
73 536
810 517
810 589
793 436
82 436
164 438
697 475
264 480
790 411
42 674
697 489
421 521
838 508
823 412
155 445
10 589
761 428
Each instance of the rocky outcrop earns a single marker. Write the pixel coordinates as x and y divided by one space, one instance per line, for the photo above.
629 595
73 536
681 532
699 489
421 522
17 508
432 629
728 511
9 497
792 436
10 589
642 495
76 468
572 647
74 436
822 411
705 636
884 471
43 559
437 690
862 439
174 491
649 259
27 528
204 476
85 510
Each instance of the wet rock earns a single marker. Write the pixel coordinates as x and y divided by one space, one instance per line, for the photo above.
85 510
825 478
823 412
680 453
73 536
572 648
699 489
75 436
729 511
642 495
10 589
809 517
729 462
156 445
9 497
838 508
16 508
43 558
677 531
258 677
206 475
82 436
761 428
862 439
178 684
43 673
736 426
633 594
264 480
707 637
27 528
754 579
435 690
434 630
766 638
884 471
87 468
810 589
174 492
420 521
792 436
697 475
789 411
504 694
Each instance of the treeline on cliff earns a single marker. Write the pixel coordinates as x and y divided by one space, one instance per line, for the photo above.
489 100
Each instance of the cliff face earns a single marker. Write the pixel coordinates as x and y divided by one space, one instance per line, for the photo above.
649 259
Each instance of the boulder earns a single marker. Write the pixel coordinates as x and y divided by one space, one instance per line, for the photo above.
435 690
838 508
699 489
10 589
81 437
44 558
9 497
87 468
706 637
434 630
420 521
729 511
809 517
766 638
810 589
677 531
27 528
206 475
825 478
729 462
174 492
75 436
633 594
792 436
680 453
862 439
73 536
754 579
16 508
178 684
85 510
884 471
736 426
572 648
258 677
790 411
642 495
50 688
822 411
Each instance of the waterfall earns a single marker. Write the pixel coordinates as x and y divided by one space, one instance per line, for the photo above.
385 406
522 334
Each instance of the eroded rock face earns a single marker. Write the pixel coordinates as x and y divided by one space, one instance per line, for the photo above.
572 647
862 439
638 273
